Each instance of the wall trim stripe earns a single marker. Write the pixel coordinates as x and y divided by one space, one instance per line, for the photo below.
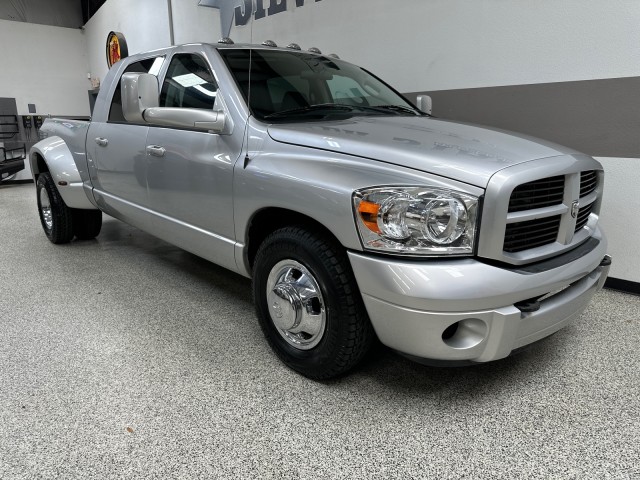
597 117
624 286
16 182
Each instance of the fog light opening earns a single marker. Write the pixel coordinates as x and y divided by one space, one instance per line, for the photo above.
466 333
450 331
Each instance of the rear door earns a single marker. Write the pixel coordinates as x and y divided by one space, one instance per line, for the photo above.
118 166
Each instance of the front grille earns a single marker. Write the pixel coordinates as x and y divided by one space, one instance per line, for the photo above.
530 234
527 217
583 216
588 182
541 193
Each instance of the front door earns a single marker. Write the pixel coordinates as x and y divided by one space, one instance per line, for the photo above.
190 172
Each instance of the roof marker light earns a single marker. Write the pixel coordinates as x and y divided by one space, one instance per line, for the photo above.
269 43
294 46
226 41
333 55
315 50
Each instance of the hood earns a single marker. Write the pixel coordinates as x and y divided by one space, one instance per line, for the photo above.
464 152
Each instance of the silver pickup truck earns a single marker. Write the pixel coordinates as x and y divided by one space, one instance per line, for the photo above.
358 216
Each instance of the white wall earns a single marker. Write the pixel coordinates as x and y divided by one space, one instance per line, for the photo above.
144 23
46 66
420 45
416 45
194 24
619 215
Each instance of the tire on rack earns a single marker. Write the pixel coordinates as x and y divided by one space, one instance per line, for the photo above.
308 303
86 223
56 218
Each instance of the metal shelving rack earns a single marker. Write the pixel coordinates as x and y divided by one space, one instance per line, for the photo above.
8 127
11 159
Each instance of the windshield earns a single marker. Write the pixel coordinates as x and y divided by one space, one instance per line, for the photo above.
292 85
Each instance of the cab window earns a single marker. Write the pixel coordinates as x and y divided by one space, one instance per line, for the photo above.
188 83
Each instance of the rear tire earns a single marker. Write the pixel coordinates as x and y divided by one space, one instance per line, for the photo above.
56 218
309 305
86 223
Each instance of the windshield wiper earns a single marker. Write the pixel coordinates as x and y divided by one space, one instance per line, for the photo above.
398 108
312 108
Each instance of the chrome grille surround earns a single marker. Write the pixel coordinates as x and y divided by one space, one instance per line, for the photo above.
579 172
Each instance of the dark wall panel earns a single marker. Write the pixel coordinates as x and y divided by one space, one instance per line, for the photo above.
59 13
597 117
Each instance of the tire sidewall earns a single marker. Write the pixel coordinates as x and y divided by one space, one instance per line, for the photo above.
43 184
317 358
61 230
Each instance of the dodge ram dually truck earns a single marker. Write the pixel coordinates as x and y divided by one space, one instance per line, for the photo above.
357 215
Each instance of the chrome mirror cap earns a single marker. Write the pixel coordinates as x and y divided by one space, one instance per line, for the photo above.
139 92
425 104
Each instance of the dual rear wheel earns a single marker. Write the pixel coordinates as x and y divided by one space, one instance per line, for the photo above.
61 223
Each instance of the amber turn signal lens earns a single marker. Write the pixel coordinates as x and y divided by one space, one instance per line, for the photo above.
369 213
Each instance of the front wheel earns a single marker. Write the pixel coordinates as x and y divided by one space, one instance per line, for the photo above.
308 303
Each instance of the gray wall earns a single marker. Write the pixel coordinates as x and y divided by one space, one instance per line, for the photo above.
58 13
597 117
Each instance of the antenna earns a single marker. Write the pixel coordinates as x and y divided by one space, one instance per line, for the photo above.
246 127
251 20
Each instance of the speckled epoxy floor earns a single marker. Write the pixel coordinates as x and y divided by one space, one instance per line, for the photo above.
125 357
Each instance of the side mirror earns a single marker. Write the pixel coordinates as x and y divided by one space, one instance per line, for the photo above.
425 104
140 95
195 118
139 92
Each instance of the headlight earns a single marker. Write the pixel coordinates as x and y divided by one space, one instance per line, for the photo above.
416 220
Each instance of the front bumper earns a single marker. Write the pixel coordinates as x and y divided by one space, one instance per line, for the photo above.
465 310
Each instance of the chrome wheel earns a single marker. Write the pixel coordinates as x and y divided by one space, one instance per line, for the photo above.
296 306
45 209
308 303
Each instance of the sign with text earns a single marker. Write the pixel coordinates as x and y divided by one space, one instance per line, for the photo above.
242 10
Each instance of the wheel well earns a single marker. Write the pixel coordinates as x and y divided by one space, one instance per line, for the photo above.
40 164
269 220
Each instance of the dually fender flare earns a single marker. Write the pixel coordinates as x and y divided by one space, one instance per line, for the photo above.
64 171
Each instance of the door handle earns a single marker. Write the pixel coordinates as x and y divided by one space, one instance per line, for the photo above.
156 151
103 142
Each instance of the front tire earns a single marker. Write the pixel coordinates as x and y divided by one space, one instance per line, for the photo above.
56 218
308 303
